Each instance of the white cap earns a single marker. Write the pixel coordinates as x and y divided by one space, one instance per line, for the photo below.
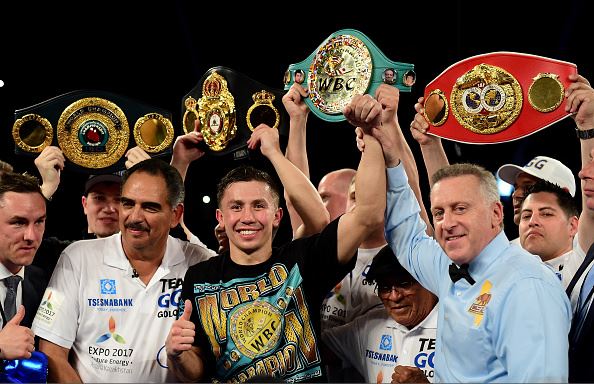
545 168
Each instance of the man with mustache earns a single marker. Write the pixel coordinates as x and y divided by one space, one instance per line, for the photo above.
401 333
111 301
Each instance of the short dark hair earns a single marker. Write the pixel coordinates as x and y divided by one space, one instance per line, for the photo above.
157 167
19 183
247 173
564 198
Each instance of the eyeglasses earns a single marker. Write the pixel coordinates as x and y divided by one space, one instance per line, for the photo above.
401 287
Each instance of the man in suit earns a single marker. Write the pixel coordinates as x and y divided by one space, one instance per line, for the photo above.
22 223
580 102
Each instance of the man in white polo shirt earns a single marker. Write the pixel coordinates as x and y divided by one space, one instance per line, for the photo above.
402 332
110 303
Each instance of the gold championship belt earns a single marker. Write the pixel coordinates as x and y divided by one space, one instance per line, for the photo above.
228 107
497 97
346 64
93 129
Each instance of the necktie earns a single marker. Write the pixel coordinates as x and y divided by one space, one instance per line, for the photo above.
582 306
12 283
460 273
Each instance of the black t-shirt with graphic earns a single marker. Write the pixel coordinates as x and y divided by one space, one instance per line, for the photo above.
263 320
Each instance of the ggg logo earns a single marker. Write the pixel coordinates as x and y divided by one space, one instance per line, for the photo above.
169 299
423 360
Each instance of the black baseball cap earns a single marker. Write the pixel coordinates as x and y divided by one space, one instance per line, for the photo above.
385 265
104 178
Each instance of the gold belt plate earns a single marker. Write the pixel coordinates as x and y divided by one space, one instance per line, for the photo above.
341 69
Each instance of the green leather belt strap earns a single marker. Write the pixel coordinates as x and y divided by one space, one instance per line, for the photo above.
345 64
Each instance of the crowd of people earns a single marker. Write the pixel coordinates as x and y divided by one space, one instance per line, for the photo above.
373 287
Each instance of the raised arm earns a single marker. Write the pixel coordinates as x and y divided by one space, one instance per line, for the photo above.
580 102
304 196
296 151
186 150
370 183
433 153
59 369
394 144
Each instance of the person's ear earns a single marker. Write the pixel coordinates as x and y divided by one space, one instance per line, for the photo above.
278 215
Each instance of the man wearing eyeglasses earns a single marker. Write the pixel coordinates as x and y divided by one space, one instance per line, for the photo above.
396 342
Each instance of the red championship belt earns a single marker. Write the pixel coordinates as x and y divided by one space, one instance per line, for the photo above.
497 97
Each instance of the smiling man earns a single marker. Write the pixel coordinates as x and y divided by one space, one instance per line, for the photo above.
507 314
253 311
402 333
111 301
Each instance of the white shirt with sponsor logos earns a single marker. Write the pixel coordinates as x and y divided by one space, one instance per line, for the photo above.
353 296
375 344
114 325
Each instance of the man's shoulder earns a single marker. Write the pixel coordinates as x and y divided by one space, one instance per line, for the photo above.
191 250
206 267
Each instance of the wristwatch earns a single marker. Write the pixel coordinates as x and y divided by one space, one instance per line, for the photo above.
585 134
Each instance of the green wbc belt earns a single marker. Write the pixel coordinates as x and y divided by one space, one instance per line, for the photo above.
347 63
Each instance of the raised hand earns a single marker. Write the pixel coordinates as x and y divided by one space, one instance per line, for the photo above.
50 163
580 101
363 111
266 138
388 97
419 126
135 155
294 102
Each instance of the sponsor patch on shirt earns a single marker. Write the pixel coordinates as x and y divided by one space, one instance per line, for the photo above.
480 303
49 307
108 286
386 343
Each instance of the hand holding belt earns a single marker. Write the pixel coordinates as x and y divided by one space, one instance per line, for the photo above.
92 129
347 63
497 97
229 106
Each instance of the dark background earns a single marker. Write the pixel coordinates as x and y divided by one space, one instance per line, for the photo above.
157 53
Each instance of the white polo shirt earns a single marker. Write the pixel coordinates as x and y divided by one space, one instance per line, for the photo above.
353 296
375 343
114 325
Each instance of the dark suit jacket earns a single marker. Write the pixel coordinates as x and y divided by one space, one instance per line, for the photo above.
581 357
34 285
